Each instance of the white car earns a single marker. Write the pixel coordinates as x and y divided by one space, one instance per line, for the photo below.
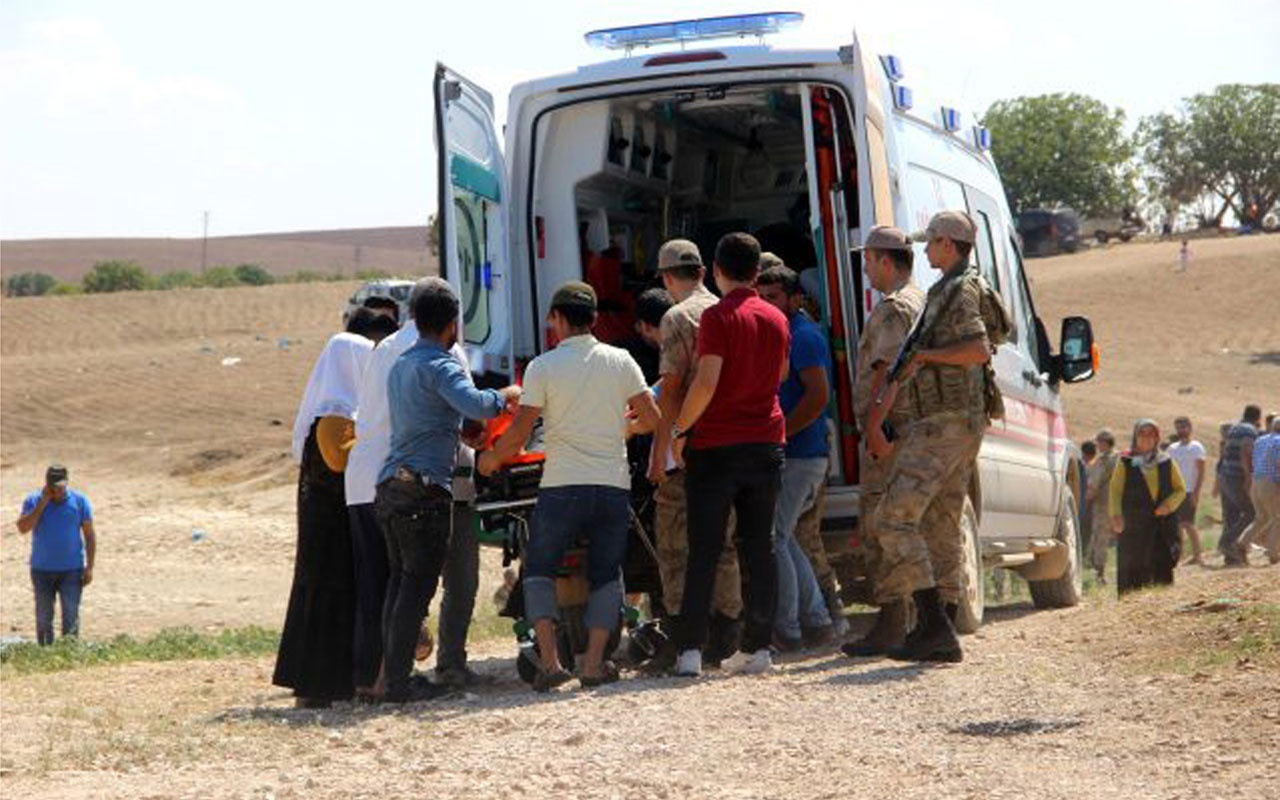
397 290
805 148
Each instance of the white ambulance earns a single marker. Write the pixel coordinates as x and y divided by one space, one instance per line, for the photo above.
806 149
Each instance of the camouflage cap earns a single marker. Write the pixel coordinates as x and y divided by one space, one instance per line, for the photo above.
885 237
575 293
768 259
679 253
954 225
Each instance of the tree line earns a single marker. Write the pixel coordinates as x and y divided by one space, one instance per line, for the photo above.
1217 152
129 276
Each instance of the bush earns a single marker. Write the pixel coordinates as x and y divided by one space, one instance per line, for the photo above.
253 275
63 289
116 276
218 278
29 284
307 276
373 274
181 279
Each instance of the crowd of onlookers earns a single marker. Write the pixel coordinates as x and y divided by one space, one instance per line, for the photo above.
1156 485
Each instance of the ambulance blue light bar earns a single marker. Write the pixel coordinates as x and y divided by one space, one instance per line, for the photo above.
950 119
902 99
981 137
692 30
892 67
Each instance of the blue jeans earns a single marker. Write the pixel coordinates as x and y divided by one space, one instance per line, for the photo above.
564 516
800 600
67 587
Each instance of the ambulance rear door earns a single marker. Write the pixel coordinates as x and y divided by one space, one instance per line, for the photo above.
474 214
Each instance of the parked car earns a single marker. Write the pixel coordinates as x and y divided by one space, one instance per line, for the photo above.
1047 232
1123 227
392 288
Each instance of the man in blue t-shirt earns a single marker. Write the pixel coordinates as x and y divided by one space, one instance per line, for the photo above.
802 617
62 550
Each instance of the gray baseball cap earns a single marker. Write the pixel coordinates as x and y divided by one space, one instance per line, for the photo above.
954 225
679 253
885 237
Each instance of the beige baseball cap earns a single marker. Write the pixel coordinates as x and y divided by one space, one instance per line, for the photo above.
954 225
679 253
885 237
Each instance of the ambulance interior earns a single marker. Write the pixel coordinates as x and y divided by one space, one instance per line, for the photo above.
615 178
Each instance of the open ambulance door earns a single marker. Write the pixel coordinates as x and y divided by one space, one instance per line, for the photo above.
474 220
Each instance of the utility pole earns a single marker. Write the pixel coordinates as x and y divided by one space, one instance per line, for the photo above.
204 245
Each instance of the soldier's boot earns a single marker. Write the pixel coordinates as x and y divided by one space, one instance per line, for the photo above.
933 638
953 611
889 630
664 660
724 636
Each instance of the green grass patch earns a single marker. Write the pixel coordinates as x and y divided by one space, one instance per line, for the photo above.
1251 634
171 644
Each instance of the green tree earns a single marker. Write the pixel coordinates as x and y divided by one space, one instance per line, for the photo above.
178 279
1062 149
63 289
29 284
253 275
219 278
1234 135
116 276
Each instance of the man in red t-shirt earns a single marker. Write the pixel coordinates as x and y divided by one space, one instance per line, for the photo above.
735 431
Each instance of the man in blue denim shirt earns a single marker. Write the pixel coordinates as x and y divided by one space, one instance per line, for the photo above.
429 394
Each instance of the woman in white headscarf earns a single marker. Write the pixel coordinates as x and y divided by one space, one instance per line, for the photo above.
1146 489
314 658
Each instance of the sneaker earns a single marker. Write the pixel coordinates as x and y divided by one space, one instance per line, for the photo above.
783 644
417 690
757 663
689 664
460 677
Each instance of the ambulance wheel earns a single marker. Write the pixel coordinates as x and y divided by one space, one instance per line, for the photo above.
972 603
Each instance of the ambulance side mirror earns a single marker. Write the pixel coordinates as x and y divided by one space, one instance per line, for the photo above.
1078 355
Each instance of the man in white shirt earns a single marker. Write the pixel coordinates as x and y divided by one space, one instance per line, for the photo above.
1190 457
581 390
461 576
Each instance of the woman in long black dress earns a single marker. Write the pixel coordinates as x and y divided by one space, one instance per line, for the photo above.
316 645
1146 490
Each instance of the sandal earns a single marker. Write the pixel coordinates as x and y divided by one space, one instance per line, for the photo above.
608 674
545 681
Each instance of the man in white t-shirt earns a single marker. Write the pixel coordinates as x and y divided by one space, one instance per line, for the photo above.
461 576
581 390
1189 455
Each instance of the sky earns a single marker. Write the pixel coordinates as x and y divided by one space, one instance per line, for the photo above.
129 118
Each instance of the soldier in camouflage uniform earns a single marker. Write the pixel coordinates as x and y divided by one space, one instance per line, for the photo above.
951 384
1098 481
680 265
888 260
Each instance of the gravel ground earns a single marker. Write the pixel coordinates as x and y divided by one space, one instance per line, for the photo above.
1156 697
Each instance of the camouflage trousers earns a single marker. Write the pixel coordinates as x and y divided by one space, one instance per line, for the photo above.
917 522
809 537
672 531
1100 538
873 474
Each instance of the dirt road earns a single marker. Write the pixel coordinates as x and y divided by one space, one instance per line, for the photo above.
1153 698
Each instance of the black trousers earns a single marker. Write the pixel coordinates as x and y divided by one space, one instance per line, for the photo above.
369 559
745 478
416 521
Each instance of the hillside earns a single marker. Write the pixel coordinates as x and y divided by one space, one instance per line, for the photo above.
399 251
